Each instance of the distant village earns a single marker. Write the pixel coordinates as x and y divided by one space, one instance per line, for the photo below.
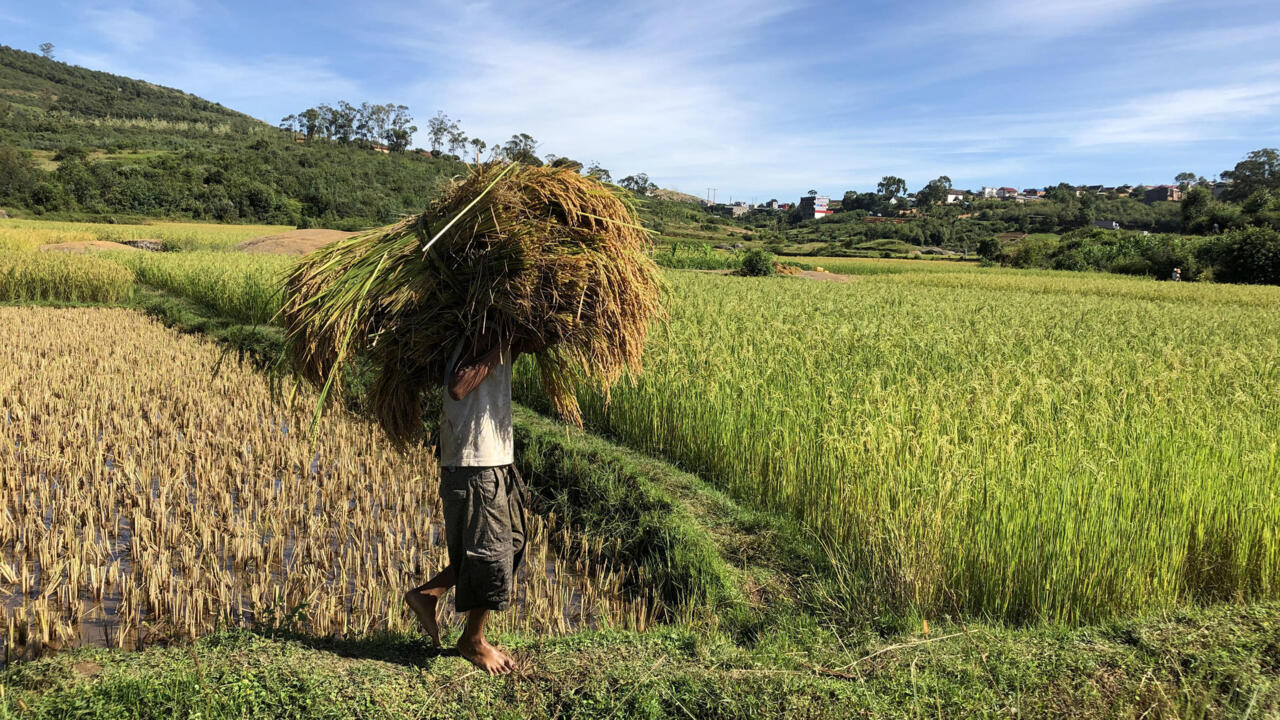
822 205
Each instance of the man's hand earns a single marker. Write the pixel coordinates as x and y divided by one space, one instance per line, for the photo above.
468 376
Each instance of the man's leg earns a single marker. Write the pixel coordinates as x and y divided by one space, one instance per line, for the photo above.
424 599
474 647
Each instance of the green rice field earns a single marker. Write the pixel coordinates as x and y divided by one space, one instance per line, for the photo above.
1053 447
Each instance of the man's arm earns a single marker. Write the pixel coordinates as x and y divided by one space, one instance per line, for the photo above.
469 376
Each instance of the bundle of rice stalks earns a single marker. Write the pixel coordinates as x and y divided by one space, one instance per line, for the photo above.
543 256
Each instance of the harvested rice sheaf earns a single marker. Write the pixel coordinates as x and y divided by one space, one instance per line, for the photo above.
542 256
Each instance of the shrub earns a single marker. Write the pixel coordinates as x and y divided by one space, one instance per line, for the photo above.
1251 255
757 263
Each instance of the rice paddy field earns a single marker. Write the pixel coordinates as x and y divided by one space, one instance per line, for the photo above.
1054 448
152 487
31 234
1020 447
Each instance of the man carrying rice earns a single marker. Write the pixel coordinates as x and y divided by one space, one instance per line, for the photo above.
508 260
483 498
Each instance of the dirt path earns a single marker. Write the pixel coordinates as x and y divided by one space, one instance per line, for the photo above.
85 246
294 242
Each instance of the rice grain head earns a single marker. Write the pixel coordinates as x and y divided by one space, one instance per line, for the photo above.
535 254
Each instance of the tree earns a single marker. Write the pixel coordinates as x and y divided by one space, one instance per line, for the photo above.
1250 255
935 191
457 140
438 130
1260 170
1061 193
638 183
1195 206
990 248
477 146
891 186
812 193
46 49
522 148
854 200
1087 212
595 171
564 162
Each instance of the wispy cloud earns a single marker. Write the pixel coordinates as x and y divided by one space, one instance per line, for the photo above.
161 41
1189 115
754 97
660 100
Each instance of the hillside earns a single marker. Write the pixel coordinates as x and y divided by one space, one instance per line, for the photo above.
32 82
86 144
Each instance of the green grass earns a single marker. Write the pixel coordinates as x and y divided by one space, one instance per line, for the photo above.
1038 449
1203 664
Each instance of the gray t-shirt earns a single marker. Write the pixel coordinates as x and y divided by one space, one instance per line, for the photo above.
476 430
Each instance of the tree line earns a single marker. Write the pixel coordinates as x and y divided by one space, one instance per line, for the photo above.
390 123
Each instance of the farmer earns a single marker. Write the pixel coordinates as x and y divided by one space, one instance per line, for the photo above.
1177 274
483 498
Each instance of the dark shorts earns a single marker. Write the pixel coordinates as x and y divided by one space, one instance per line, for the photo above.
484 528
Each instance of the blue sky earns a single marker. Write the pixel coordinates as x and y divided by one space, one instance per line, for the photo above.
757 99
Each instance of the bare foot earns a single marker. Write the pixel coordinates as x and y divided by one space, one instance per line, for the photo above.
486 657
423 605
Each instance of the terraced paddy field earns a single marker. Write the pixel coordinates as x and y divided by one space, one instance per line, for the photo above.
935 489
152 488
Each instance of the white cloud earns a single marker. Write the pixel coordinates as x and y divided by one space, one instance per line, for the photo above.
161 41
1044 19
660 99
1189 115
126 29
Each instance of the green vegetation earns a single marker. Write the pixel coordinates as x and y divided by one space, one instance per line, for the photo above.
757 263
1199 664
245 288
125 147
42 277
1033 448
898 409
31 234
695 256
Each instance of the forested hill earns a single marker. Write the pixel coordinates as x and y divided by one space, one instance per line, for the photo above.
31 82
84 144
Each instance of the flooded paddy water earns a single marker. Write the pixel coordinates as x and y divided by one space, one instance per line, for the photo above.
153 488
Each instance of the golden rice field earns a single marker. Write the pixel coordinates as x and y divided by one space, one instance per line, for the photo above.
152 488
35 276
1057 447
17 234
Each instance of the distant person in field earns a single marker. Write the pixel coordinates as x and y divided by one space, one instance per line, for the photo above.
1177 274
483 498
